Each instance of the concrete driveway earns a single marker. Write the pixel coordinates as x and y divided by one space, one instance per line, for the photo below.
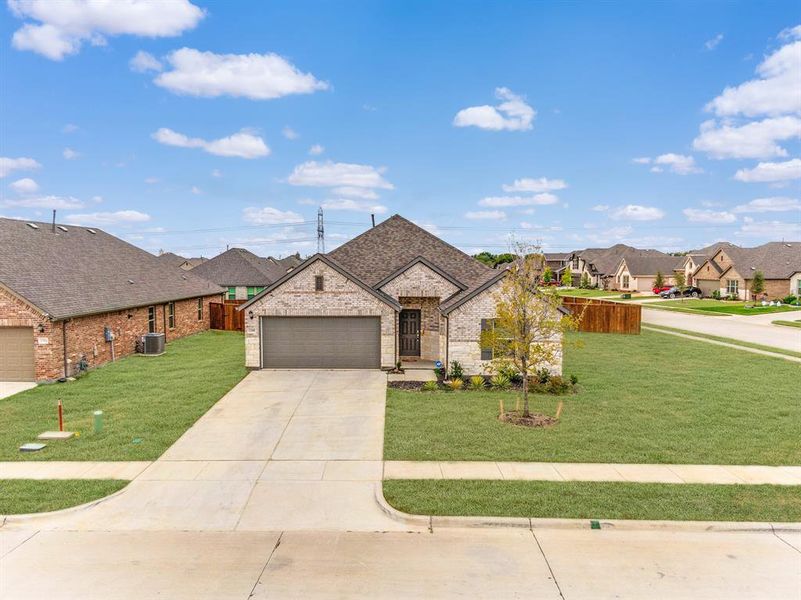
283 450
756 329
9 388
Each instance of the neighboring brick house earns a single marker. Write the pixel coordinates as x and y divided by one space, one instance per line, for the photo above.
637 272
394 293
62 286
731 270
242 273
176 260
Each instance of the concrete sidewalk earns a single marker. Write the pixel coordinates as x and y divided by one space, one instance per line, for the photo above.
72 470
634 473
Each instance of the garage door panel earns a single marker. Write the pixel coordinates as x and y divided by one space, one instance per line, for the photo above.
16 354
321 342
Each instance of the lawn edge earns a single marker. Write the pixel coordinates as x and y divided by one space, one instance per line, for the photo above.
723 339
26 517
532 523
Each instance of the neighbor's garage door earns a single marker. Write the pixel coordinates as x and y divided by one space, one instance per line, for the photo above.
16 354
707 286
321 342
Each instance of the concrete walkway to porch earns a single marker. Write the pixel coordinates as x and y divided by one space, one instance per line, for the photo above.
633 473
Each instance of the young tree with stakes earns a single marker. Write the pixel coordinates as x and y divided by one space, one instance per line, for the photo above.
529 325
757 285
659 281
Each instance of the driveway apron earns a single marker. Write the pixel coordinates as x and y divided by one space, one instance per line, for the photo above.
283 450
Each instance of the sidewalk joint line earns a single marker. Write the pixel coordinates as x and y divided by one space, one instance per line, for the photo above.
547 562
264 568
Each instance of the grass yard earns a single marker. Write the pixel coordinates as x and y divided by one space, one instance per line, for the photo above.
148 402
579 293
649 398
788 323
596 500
719 338
23 496
722 307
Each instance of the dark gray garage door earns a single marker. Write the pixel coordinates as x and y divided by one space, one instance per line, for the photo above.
321 342
16 354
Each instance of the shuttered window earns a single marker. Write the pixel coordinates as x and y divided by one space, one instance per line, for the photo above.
232 293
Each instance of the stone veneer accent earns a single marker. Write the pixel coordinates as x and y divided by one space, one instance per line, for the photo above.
464 333
297 297
85 334
419 281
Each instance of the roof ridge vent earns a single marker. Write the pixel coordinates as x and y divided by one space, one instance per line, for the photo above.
92 231
62 228
32 225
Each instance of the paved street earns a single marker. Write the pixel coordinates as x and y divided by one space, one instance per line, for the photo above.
756 329
272 495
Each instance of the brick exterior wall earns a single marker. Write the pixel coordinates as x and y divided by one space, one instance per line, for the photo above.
85 334
340 297
419 281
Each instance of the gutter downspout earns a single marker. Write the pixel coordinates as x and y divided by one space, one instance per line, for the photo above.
164 320
64 343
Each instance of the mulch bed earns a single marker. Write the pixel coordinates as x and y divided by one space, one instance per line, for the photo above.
534 420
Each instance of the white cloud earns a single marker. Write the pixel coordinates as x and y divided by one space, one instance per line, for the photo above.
600 207
636 212
697 215
355 192
65 25
769 229
97 199
512 114
26 185
753 140
331 174
504 201
713 43
152 180
196 190
8 165
142 62
354 205
790 33
771 171
69 128
543 184
254 76
267 215
772 204
242 144
49 202
216 173
496 215
677 163
108 218
316 150
290 133
70 154
774 92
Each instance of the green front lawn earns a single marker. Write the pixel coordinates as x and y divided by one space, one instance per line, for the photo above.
649 398
723 306
148 402
596 500
579 293
23 496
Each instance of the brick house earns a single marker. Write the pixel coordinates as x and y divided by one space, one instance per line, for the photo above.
62 286
242 273
394 293
730 270
637 272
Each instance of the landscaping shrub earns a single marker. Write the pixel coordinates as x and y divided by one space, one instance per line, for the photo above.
791 299
573 380
500 381
455 384
440 373
477 382
716 294
556 386
430 386
456 370
542 375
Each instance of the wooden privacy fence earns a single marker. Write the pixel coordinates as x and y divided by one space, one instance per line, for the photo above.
225 316
603 316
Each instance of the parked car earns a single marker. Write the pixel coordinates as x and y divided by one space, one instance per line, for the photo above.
676 292
659 290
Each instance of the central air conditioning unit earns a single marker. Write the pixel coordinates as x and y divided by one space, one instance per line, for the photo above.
153 344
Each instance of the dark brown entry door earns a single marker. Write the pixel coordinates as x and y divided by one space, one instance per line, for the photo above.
410 333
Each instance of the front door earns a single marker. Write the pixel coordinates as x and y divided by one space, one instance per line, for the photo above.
410 333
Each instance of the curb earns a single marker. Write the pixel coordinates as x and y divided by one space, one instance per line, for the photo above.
533 523
25 518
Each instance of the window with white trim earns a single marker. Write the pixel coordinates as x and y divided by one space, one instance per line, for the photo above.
733 286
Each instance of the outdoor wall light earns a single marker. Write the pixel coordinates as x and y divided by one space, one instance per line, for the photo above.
250 314
41 328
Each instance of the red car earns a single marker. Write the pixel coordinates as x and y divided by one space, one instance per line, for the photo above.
659 290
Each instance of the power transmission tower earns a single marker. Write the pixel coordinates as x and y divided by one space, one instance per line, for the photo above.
320 232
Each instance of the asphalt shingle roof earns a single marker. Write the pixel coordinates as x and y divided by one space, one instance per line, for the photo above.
776 260
240 267
649 264
73 272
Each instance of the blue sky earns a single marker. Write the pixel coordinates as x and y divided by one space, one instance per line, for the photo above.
193 125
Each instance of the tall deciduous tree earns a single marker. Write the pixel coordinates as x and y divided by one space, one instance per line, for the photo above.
757 284
659 280
529 325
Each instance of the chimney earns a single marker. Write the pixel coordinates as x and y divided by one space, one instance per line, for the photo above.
372 217
53 228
